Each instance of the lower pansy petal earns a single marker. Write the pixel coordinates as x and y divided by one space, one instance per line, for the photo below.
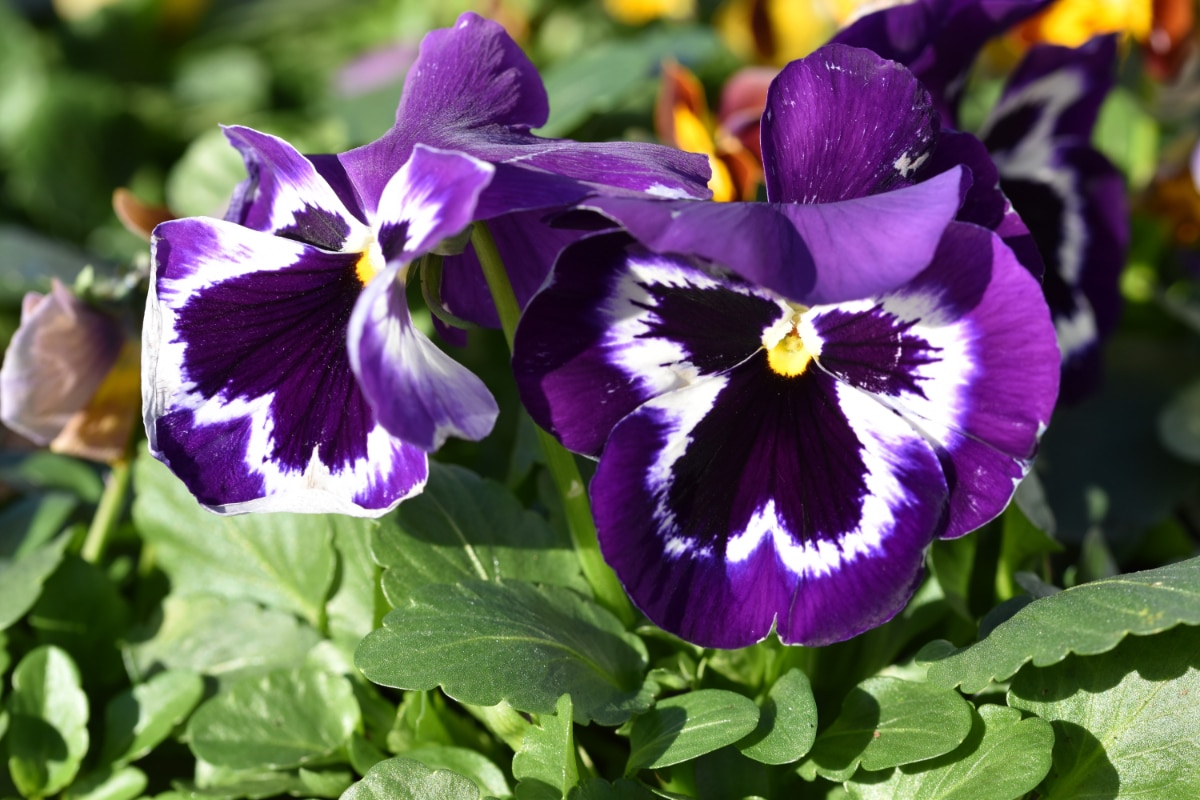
248 393
754 500
966 353
417 392
622 324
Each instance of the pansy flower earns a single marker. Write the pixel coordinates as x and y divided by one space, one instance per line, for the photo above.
1068 194
472 90
282 370
781 436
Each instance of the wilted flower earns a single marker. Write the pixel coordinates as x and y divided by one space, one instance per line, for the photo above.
785 422
70 377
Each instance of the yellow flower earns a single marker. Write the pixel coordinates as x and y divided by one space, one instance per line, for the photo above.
639 12
1073 22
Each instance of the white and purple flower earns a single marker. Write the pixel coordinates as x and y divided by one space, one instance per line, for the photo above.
282 368
790 400
1068 194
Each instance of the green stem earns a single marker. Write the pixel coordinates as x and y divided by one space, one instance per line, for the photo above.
559 460
108 512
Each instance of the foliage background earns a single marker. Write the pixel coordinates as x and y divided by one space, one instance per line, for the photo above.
188 655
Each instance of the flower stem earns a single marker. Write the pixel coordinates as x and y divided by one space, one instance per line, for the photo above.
108 512
559 460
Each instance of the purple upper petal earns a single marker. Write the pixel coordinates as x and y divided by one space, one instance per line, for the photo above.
844 123
473 90
938 39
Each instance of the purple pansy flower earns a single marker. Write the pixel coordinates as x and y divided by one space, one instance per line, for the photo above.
472 89
783 426
282 369
1070 196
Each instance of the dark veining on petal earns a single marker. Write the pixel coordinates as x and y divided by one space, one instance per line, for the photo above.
210 459
392 238
284 332
716 327
317 227
770 437
874 350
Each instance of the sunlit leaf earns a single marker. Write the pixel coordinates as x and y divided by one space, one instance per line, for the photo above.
1125 722
487 642
1002 758
685 726
405 779
48 714
282 719
1087 619
886 722
545 766
787 725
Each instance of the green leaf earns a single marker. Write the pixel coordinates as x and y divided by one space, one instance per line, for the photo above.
22 579
953 563
126 783
787 724
1179 424
34 519
1021 543
468 763
47 735
285 561
351 606
1087 619
886 722
405 779
44 470
685 726
600 789
545 766
599 77
326 782
138 719
219 637
217 782
463 527
1128 134
488 642
1003 758
283 719
82 611
1125 722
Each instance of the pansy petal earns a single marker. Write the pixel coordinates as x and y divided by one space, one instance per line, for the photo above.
844 123
1054 92
1071 197
752 500
248 393
754 240
940 351
617 326
285 195
985 203
938 39
431 198
418 393
873 244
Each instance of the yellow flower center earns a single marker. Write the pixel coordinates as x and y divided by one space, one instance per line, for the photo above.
370 263
786 353
789 357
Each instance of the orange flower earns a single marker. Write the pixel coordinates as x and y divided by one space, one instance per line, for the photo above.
682 120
